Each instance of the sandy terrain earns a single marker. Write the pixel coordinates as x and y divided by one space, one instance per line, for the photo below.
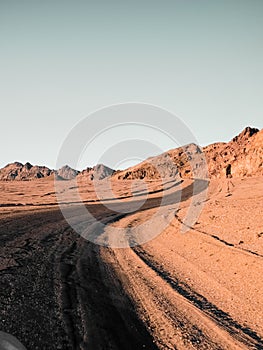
197 290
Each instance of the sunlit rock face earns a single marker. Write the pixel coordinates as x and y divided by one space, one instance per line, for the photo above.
244 154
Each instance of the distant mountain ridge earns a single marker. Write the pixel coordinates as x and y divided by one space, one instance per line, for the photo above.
244 155
26 172
19 171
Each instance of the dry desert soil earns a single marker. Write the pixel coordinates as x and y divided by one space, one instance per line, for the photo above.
201 289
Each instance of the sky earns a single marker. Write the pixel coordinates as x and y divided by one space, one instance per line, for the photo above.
62 60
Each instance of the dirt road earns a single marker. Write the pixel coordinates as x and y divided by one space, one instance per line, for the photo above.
59 291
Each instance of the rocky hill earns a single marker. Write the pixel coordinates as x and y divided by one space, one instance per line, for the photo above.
19 171
98 172
243 154
66 173
171 164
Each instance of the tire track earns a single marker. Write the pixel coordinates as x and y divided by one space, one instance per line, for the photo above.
108 316
61 294
241 333
215 237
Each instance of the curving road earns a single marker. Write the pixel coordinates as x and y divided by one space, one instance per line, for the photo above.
59 291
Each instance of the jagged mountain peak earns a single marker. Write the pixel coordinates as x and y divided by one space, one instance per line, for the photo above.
245 134
67 173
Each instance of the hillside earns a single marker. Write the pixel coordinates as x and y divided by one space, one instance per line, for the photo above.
244 153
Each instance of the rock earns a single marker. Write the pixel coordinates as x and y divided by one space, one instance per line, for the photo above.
244 154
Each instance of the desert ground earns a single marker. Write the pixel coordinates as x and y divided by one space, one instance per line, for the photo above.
201 289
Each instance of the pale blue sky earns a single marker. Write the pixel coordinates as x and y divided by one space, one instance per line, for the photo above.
61 60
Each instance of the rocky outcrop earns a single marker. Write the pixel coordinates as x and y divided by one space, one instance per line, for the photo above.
172 164
243 156
245 135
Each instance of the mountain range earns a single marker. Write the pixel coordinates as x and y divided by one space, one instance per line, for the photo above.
243 154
